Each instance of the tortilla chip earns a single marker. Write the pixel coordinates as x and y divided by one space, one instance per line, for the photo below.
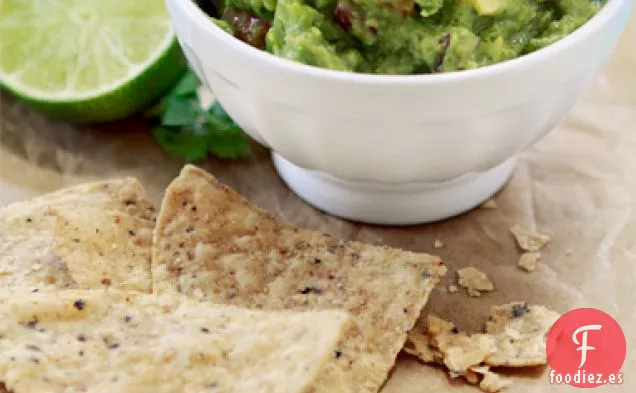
521 332
105 341
213 244
88 236
125 195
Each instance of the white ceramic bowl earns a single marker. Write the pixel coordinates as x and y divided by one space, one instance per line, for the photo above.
396 149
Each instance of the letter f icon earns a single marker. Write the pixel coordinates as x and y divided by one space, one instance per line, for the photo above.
583 344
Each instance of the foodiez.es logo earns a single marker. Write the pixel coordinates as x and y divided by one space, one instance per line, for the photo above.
586 348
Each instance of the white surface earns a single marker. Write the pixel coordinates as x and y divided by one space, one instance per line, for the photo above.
396 129
393 204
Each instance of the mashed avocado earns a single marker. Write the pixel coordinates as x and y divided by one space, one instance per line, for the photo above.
402 36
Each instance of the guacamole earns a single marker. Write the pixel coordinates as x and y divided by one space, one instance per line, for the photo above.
402 36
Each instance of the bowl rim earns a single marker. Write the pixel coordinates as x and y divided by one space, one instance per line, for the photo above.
605 15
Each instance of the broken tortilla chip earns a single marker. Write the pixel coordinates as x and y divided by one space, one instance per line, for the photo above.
460 350
106 341
521 332
89 236
213 244
515 336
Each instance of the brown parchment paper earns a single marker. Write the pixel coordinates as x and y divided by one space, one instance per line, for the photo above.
578 185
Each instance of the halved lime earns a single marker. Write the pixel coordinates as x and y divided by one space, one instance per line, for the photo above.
88 60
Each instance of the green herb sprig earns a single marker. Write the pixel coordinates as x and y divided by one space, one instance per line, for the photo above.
185 129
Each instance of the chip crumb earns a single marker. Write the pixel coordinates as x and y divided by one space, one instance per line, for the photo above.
438 244
474 280
491 381
452 288
529 241
489 204
529 260
481 370
472 377
36 267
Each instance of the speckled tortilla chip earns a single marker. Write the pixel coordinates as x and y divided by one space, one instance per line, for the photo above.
88 236
125 195
521 332
104 341
515 336
211 243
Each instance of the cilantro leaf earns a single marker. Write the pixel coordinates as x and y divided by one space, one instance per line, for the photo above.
188 85
180 111
184 129
229 145
228 140
182 143
217 111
